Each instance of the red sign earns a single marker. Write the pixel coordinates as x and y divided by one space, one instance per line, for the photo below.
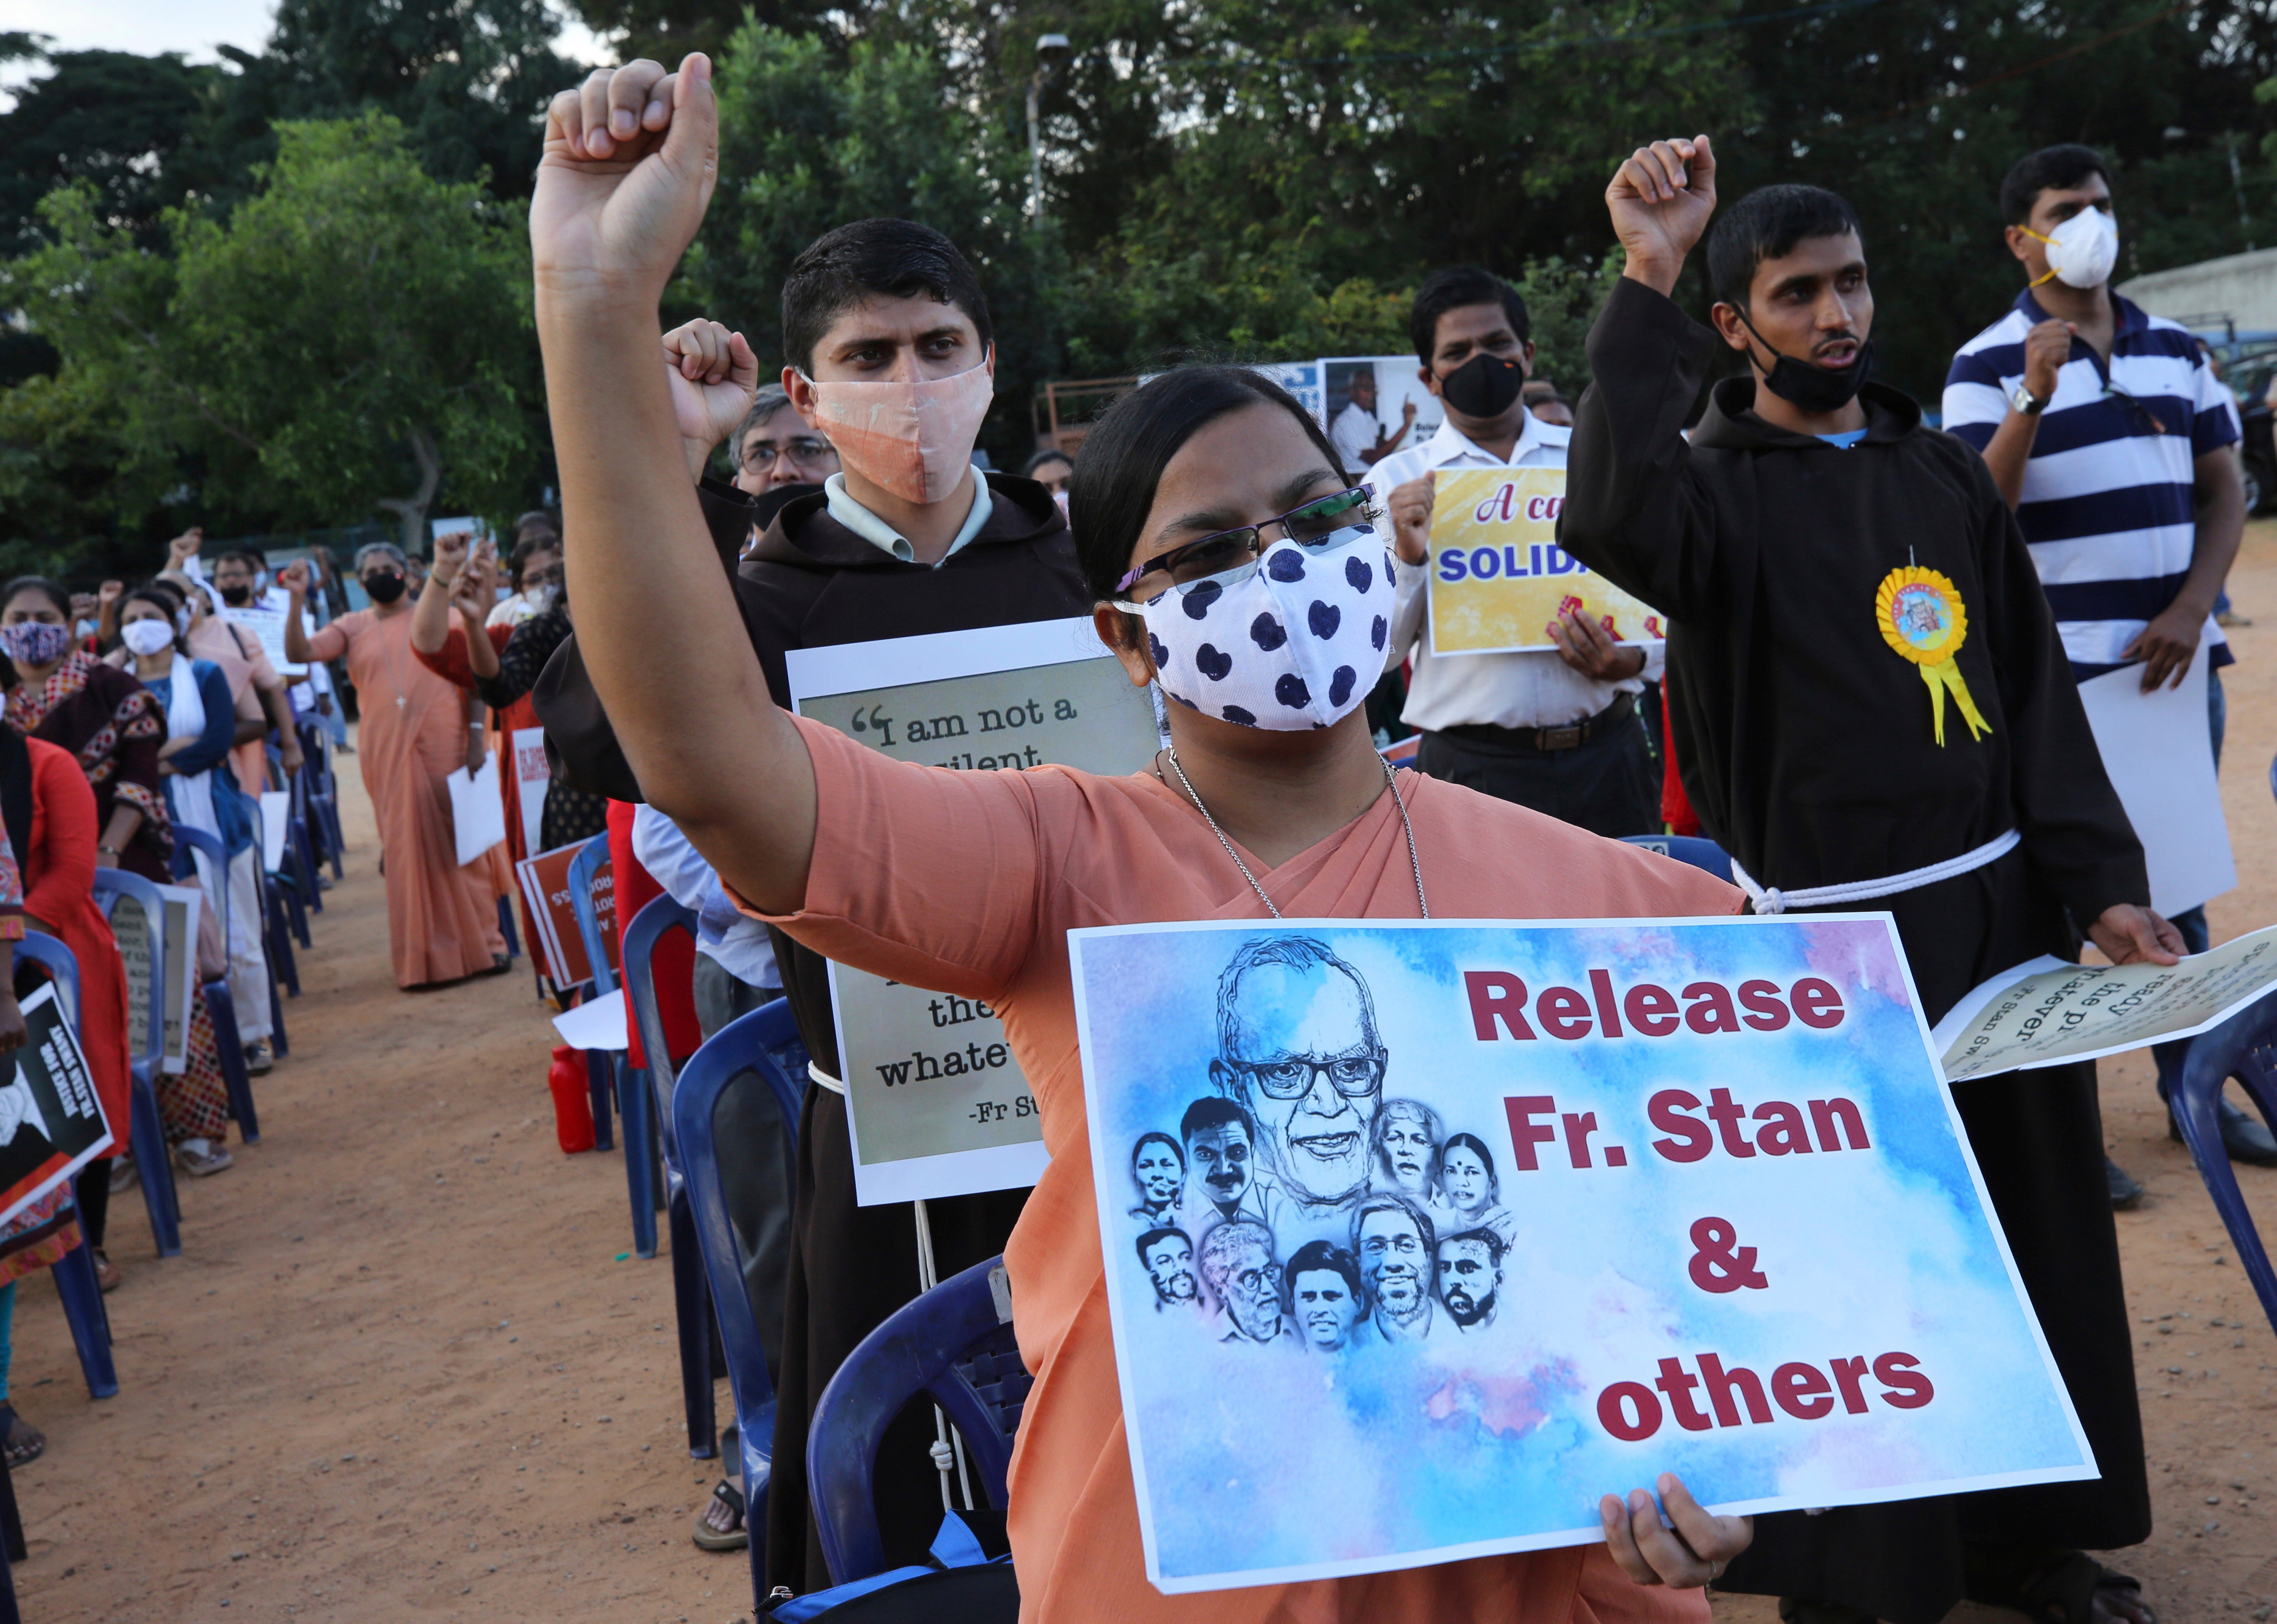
545 884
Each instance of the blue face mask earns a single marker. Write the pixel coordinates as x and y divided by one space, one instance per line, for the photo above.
35 642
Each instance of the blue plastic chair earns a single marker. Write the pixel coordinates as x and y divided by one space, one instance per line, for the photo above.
765 1044
1704 854
220 1004
691 1304
321 790
145 1130
2244 1047
611 1067
954 1343
74 1271
506 929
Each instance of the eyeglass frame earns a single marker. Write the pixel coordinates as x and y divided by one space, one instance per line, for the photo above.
1379 1063
821 448
1167 561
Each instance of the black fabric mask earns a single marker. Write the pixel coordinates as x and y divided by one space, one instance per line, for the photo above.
1485 385
1809 388
384 589
237 597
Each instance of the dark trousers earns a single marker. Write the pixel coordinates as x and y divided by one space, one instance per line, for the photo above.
1608 786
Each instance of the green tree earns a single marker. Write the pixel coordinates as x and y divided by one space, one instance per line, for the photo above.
808 143
469 80
110 118
354 336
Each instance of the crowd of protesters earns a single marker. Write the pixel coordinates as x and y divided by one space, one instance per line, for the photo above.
2083 499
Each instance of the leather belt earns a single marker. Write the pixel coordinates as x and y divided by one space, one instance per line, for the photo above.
1572 736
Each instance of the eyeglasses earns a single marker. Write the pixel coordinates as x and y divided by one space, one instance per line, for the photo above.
805 450
2141 407
1352 1076
1230 556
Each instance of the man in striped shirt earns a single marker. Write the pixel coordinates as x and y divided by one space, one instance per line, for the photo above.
2107 431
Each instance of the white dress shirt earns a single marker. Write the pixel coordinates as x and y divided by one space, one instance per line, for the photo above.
1530 689
886 538
1355 432
723 934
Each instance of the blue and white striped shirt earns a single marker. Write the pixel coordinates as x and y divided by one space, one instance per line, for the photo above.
2108 504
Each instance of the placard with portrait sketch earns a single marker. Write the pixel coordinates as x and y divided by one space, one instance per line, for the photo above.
1421 1237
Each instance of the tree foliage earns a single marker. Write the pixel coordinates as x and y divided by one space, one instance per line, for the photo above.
354 335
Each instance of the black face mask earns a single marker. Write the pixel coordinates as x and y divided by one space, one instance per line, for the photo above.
384 589
1485 385
237 597
1809 388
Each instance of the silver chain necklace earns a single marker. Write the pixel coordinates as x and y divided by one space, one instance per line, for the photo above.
1391 783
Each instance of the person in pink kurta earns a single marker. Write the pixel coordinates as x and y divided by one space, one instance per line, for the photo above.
442 918
1235 564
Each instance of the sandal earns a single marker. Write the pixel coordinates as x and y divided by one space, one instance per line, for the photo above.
21 1441
106 1273
709 1538
2053 1586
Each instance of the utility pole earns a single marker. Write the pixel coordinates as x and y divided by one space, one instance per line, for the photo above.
1052 49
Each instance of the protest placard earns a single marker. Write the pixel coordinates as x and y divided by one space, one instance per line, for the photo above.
51 1123
1497 575
1422 1236
2047 1012
935 1104
546 885
531 774
182 904
268 626
1364 399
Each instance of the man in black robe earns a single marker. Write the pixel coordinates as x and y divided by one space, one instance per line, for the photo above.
1868 684
890 300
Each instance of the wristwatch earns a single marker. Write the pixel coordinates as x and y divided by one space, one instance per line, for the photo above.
2025 401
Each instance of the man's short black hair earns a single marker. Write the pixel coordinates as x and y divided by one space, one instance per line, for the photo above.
2050 169
1154 1238
1210 1112
1451 289
1766 223
873 259
246 556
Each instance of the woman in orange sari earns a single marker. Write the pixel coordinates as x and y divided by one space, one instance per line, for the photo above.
967 882
441 918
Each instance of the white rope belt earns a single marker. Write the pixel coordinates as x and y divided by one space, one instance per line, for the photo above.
825 1079
1771 899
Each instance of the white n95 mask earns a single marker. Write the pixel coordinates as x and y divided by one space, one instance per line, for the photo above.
2083 250
1297 643
913 439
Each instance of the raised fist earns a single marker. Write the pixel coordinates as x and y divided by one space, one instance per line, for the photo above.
294 578
450 556
630 159
713 375
1660 200
184 546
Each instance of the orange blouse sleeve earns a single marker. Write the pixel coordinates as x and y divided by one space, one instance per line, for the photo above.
60 874
449 662
327 643
921 874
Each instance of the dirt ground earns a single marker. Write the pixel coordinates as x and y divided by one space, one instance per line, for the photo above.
404 1366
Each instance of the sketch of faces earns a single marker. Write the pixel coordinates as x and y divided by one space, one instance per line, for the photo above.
1407 1135
1298 1045
1170 1260
1237 1261
1218 1153
1470 1277
1158 1167
1467 1175
1392 1239
1325 1296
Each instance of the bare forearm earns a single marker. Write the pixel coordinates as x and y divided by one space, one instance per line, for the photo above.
2220 525
481 654
653 624
296 639
125 821
2010 449
431 617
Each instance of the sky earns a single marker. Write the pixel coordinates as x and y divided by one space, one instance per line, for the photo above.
194 27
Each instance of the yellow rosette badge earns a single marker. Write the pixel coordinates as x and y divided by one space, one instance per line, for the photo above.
1922 617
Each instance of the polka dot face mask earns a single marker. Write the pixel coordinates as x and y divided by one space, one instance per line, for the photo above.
1285 636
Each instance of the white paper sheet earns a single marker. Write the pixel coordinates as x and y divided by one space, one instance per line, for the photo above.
276 808
267 625
599 1023
477 815
2155 747
2045 1012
